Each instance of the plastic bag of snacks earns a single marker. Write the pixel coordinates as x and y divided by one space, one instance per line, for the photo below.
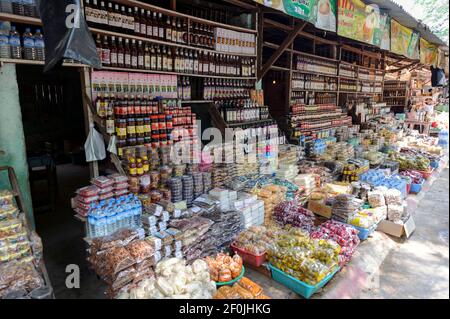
376 199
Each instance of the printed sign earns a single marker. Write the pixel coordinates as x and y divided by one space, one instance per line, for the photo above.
365 23
321 13
404 41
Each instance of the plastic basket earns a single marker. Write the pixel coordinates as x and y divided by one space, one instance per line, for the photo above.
364 233
231 283
299 287
416 188
248 258
426 174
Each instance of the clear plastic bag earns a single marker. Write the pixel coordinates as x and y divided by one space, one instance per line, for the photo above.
95 146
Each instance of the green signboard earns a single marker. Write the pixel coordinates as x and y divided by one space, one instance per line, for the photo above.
321 13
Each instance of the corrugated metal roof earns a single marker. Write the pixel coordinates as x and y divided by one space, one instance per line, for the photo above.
397 12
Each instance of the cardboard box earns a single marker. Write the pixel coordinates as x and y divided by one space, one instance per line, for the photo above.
397 230
320 209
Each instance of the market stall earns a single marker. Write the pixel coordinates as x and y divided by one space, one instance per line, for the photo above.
302 183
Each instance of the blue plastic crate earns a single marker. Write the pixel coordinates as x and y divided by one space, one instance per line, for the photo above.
416 188
364 233
299 287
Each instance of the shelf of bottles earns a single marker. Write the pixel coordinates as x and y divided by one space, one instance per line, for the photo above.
142 110
314 83
135 38
306 64
396 94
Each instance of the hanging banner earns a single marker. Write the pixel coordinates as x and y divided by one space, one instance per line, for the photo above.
321 13
365 23
428 53
404 41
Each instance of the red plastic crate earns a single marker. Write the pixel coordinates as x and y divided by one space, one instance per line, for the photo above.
248 258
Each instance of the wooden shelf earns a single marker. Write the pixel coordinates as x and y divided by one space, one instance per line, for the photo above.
108 68
395 97
250 123
165 43
314 56
197 102
315 73
348 77
19 19
33 62
311 90
134 3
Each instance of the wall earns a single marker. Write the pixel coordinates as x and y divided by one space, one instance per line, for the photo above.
12 140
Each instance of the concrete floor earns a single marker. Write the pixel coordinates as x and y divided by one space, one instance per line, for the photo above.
381 268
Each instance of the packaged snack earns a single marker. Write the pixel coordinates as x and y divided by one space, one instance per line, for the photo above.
6 198
8 212
120 238
87 199
118 179
106 196
10 227
118 259
249 285
140 250
243 293
102 182
88 191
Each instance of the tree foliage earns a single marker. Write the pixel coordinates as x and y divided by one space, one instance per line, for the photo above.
436 17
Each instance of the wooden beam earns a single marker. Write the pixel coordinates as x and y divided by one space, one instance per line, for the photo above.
403 67
289 39
268 24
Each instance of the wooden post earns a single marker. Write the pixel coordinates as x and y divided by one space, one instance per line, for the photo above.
88 116
260 35
173 5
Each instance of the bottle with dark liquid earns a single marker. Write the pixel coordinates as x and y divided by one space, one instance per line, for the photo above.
120 53
147 57
159 62
131 22
134 55
143 22
141 54
114 53
137 21
149 24
169 60
153 58
98 44
155 25
127 54
161 31
168 35
103 14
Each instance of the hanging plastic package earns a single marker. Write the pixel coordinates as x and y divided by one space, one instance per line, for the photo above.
67 35
112 148
95 146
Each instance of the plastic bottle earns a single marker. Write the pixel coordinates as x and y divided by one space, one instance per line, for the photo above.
6 6
39 45
137 212
17 7
5 51
14 43
29 8
29 51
